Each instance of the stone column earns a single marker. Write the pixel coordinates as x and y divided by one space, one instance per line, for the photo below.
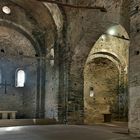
13 115
4 115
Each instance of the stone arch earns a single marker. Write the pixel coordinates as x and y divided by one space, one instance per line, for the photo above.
82 44
114 47
119 38
12 31
41 19
42 26
109 56
56 14
102 74
23 31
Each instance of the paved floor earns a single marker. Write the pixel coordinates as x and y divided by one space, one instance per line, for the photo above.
64 132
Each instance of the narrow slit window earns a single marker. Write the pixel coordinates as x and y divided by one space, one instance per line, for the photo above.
20 78
0 78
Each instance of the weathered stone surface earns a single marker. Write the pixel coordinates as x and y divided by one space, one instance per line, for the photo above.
58 91
84 27
134 80
17 52
26 36
103 76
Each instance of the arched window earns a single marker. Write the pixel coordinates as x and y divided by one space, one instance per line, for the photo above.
52 57
20 78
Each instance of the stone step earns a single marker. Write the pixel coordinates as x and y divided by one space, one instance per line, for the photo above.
21 122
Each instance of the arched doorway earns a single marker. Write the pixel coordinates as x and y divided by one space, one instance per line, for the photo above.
101 89
105 77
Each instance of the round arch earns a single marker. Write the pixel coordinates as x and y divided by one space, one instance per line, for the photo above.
108 56
26 61
102 74
114 46
22 30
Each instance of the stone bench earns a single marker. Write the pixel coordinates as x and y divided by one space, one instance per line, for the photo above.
5 114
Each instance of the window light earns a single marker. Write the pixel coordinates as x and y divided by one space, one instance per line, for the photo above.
6 10
20 78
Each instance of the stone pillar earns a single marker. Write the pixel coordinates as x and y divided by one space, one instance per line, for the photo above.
13 115
4 115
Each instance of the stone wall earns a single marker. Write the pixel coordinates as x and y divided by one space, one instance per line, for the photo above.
52 90
103 76
134 72
83 29
28 32
116 50
16 53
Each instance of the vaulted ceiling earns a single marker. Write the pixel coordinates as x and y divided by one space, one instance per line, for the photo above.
42 22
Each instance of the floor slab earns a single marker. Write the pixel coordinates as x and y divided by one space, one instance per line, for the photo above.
64 132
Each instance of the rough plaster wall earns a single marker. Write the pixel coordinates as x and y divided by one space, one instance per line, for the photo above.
134 73
103 76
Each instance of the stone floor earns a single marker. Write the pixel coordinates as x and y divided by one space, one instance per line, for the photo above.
64 132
